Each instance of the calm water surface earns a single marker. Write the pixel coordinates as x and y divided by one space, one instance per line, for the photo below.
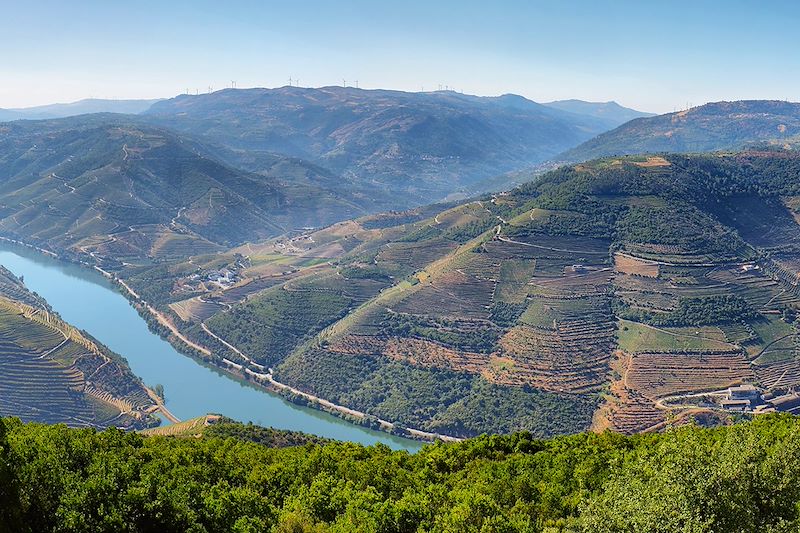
89 301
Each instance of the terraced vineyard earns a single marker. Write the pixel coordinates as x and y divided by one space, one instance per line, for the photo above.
50 372
619 293
662 361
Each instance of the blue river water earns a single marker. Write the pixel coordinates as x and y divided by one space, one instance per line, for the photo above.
89 301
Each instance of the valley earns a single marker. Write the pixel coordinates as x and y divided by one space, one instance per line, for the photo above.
519 304
620 293
93 303
132 196
370 267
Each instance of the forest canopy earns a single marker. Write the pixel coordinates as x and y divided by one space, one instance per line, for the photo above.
744 477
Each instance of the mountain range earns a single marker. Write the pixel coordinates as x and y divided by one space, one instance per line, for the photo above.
81 107
71 184
419 147
273 228
714 126
216 170
613 113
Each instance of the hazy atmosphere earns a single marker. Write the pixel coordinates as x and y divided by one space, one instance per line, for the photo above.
650 56
363 266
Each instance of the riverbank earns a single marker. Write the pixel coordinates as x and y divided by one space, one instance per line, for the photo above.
253 373
324 404
159 403
193 385
158 315
268 382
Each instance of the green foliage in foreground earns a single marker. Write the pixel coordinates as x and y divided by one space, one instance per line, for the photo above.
742 478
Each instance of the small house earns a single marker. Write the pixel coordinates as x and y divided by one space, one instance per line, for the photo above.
735 405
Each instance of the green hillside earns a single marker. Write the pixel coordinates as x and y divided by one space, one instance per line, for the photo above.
620 293
216 426
108 185
710 127
740 478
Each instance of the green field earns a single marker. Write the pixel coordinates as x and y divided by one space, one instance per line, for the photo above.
635 338
776 340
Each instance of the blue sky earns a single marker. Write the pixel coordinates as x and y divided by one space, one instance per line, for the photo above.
655 56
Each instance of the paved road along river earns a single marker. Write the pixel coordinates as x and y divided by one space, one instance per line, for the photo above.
89 301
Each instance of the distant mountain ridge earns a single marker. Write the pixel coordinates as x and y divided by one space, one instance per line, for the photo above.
394 149
278 159
710 127
614 113
81 107
420 146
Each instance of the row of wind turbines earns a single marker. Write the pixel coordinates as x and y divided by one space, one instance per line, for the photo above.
295 82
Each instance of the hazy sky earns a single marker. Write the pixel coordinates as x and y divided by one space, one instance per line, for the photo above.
655 56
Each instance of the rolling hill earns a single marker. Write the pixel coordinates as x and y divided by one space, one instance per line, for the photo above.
710 127
110 185
52 373
619 293
420 147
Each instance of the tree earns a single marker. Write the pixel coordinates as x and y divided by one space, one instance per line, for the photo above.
9 507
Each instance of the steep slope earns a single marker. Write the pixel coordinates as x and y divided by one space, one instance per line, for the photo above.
419 146
617 293
714 126
106 184
81 107
611 112
51 372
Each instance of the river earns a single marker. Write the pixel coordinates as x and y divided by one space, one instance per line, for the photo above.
89 301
